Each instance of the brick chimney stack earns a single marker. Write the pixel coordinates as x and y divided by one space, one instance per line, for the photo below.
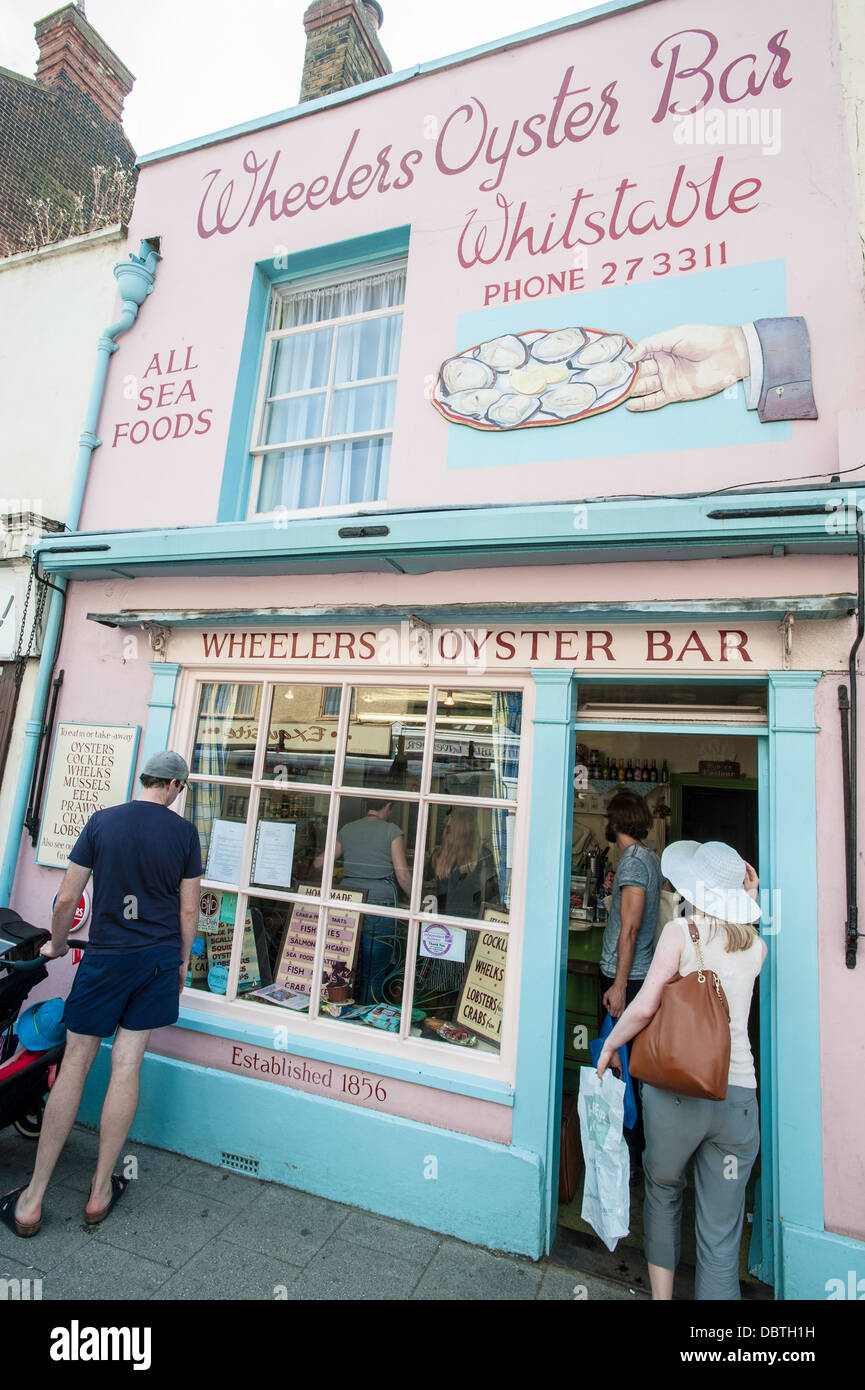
342 46
70 49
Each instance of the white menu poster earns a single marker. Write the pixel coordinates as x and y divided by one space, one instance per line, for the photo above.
273 856
225 852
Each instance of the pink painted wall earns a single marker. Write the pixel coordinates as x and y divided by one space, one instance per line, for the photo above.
804 205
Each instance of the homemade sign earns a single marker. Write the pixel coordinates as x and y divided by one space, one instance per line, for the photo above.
481 1003
91 768
297 951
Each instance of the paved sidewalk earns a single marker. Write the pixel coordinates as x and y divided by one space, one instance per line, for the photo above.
184 1230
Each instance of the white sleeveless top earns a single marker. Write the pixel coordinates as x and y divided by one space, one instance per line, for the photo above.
737 971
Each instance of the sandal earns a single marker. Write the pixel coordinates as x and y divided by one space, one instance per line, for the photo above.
118 1187
8 1217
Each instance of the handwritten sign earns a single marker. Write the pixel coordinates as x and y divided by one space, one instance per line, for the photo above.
91 769
481 1002
342 939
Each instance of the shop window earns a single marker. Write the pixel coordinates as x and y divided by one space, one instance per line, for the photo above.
324 419
358 844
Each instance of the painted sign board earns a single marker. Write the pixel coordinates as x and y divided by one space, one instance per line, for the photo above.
91 768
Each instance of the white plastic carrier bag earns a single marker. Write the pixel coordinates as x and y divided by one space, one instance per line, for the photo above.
607 1191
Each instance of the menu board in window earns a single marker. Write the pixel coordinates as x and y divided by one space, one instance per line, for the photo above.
342 939
481 1001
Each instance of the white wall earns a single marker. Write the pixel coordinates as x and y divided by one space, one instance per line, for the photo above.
54 304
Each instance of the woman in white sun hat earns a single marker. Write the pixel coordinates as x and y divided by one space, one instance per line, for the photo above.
723 1137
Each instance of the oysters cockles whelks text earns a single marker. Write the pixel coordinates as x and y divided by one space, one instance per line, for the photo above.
540 377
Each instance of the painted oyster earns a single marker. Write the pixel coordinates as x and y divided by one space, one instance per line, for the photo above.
513 409
473 404
559 345
538 377
466 374
602 349
503 353
569 400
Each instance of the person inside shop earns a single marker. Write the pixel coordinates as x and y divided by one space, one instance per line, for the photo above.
629 936
464 873
372 849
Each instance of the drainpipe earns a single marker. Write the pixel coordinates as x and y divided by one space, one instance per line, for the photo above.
135 282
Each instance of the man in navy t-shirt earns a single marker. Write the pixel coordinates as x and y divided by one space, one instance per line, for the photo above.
146 866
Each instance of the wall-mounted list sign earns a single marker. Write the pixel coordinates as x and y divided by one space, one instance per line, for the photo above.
91 768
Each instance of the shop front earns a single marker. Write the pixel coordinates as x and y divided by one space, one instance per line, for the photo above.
403 1035
420 468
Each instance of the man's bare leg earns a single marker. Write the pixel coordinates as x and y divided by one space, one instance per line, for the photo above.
61 1109
118 1111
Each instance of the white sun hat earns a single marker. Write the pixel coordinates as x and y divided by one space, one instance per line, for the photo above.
710 877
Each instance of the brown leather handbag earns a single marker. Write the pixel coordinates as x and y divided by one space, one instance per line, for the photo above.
686 1046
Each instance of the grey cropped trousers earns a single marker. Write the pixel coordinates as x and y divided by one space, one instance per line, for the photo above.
723 1136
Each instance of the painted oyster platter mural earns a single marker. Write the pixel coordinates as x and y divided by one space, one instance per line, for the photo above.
539 377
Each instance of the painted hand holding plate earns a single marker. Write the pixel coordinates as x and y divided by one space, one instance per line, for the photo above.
538 377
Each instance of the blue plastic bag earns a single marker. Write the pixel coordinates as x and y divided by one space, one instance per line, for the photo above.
630 1117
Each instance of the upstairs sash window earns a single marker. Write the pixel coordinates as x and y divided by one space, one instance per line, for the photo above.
324 419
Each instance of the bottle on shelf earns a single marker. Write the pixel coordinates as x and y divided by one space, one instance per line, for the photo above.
665 772
638 771
605 768
653 771
629 771
620 774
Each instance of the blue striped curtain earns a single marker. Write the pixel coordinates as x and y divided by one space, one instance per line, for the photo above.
507 716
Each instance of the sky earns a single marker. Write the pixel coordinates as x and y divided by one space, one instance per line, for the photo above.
203 65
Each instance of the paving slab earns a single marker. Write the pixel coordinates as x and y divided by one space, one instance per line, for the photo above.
285 1223
393 1237
100 1271
343 1270
63 1233
220 1270
169 1228
459 1271
568 1285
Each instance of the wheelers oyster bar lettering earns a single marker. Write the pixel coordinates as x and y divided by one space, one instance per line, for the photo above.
678 645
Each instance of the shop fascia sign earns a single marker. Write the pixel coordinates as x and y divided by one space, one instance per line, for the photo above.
655 646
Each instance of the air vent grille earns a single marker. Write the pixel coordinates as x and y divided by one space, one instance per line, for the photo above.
241 1163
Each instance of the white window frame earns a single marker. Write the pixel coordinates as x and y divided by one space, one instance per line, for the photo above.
259 451
402 1048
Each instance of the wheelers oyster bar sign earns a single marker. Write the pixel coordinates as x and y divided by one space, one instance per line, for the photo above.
659 646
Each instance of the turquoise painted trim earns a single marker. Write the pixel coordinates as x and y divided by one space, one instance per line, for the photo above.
796 1096
540 1045
764 1235
482 1192
815 1262
237 473
347 1054
88 725
395 79
237 470
628 528
161 706
631 726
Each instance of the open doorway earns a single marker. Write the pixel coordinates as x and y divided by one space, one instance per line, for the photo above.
697 786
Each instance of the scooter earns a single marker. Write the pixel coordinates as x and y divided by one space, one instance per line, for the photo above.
25 1079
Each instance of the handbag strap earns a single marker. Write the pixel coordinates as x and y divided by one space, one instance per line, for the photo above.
701 969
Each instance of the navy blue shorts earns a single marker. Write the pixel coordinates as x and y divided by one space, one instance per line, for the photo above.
138 990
